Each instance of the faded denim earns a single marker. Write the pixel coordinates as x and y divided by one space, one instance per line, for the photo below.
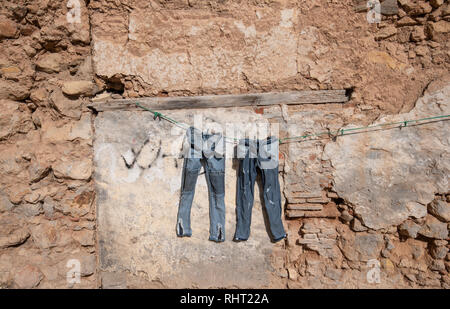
205 150
258 155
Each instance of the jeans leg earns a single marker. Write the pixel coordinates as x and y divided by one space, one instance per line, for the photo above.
215 178
191 168
245 197
272 202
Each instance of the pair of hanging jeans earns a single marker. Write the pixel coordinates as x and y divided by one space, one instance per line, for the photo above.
260 155
205 150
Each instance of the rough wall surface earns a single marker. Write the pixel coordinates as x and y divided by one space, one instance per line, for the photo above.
50 68
141 197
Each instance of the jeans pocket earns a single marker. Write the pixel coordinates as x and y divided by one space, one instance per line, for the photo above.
217 182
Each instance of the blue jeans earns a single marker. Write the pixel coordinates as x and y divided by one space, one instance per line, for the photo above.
203 150
262 155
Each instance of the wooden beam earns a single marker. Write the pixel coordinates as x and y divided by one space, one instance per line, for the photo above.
233 100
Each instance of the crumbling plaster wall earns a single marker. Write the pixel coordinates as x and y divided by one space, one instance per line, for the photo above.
51 68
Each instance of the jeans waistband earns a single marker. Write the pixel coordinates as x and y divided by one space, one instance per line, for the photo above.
197 143
266 149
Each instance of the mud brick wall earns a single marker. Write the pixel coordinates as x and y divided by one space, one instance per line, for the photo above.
380 197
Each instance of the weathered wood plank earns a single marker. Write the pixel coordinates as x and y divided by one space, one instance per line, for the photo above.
211 101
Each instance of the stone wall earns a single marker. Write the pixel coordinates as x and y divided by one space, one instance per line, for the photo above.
381 195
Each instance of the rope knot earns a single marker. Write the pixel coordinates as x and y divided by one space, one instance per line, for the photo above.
156 115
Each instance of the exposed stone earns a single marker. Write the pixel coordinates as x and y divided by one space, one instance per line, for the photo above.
65 106
421 50
50 272
15 238
5 279
49 62
81 129
79 87
305 206
332 195
17 192
436 3
440 209
321 73
29 210
78 205
418 34
39 96
356 226
37 170
409 229
416 8
28 277
406 21
8 28
13 90
360 246
438 252
416 210
446 10
384 58
13 120
88 264
45 236
304 195
32 198
389 7
346 216
424 279
433 228
78 169
114 280
439 242
314 267
385 32
328 211
80 31
438 30
321 200
10 71
84 237
5 204
333 274
48 207
293 274
437 265
101 97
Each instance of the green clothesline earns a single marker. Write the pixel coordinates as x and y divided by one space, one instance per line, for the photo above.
340 132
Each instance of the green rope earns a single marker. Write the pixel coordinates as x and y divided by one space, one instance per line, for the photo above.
341 131
157 115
